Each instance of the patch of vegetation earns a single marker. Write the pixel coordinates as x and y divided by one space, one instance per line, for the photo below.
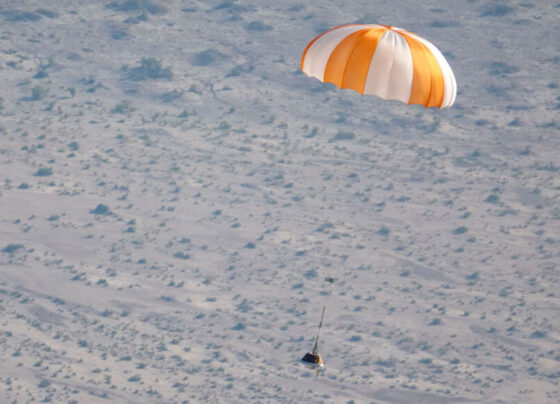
500 68
47 13
127 6
148 69
101 210
460 230
207 57
495 10
238 327
341 135
123 107
43 172
492 198
37 93
443 24
20 16
231 6
181 255
171 96
538 334
73 146
239 69
10 248
384 231
41 74
258 26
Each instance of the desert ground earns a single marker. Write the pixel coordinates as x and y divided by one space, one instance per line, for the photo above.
175 195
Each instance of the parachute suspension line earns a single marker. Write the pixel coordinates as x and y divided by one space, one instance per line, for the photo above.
320 325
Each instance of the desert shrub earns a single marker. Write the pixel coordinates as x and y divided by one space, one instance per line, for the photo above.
240 69
43 172
384 231
41 74
495 10
538 334
500 68
171 96
181 255
492 198
37 93
460 230
141 6
10 248
101 210
20 16
258 26
123 107
148 69
341 135
44 383
47 13
443 24
207 57
231 6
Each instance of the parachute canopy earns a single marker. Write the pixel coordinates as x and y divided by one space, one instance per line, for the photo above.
389 62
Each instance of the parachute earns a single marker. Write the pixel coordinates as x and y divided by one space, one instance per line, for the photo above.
389 62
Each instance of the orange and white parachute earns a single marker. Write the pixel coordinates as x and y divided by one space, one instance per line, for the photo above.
389 62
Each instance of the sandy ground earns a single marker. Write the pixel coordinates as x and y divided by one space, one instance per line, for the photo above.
165 234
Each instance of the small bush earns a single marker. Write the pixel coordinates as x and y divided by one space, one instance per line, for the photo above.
148 69
181 255
343 136
141 6
123 107
171 96
101 210
20 16
43 172
37 93
538 334
495 10
207 57
258 26
10 248
460 230
493 198
47 13
238 327
44 383
312 273
500 68
41 74
384 231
